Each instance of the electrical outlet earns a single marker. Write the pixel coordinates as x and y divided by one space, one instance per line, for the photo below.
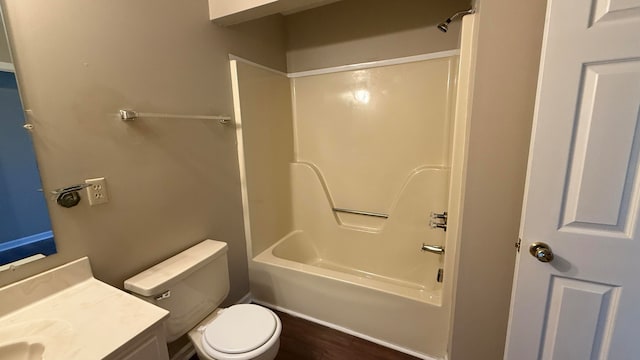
97 192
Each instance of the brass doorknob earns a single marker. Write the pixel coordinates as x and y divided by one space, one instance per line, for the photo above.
541 251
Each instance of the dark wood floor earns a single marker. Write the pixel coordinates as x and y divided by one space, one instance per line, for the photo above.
304 340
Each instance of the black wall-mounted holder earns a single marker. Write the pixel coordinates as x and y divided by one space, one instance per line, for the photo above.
68 196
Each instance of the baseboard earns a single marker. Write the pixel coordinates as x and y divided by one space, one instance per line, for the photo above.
347 331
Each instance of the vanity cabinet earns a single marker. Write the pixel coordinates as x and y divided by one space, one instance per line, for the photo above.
229 12
66 313
149 345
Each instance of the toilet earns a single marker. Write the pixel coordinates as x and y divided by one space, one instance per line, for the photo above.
191 285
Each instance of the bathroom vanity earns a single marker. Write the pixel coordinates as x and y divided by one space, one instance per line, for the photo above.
65 313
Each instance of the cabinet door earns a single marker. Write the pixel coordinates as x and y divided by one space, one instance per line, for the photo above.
149 345
151 349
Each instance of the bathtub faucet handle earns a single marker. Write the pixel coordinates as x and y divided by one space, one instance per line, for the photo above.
438 220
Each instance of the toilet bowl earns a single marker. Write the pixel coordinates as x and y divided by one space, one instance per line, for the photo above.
191 285
240 332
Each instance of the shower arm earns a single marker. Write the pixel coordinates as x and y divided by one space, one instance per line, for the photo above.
460 13
444 26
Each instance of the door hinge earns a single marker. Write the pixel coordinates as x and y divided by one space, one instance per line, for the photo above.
518 244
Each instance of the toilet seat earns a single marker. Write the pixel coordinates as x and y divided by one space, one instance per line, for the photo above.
241 332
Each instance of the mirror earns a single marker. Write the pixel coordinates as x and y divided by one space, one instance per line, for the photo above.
25 228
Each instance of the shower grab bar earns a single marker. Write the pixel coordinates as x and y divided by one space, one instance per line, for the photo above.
129 115
358 212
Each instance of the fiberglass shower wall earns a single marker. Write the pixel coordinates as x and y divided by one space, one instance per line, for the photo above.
367 131
262 106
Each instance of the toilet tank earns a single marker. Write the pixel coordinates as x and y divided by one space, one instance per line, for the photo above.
190 285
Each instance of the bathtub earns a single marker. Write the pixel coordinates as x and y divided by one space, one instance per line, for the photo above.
398 313
297 248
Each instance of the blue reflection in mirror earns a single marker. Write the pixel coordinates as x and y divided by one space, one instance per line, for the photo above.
25 229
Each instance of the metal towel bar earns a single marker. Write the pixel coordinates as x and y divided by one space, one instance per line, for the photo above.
358 212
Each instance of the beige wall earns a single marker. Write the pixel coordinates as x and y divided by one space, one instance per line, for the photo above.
263 103
355 31
5 56
171 182
506 68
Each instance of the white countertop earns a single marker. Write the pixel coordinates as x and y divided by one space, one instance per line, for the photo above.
73 314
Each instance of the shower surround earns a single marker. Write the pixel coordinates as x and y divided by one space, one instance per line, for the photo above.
375 139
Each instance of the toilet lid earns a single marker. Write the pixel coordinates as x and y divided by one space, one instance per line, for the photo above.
240 329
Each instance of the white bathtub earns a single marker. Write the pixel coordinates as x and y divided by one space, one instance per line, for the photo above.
396 312
298 250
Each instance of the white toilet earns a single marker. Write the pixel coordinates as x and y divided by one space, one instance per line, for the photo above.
191 285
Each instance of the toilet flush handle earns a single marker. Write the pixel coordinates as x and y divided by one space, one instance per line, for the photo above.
164 295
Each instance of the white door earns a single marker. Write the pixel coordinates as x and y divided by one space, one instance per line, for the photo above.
583 190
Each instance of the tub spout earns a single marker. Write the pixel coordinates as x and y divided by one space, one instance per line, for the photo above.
436 249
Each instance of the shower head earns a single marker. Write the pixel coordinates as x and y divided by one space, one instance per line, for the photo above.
444 26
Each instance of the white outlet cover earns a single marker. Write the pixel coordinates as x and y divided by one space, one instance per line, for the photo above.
97 192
